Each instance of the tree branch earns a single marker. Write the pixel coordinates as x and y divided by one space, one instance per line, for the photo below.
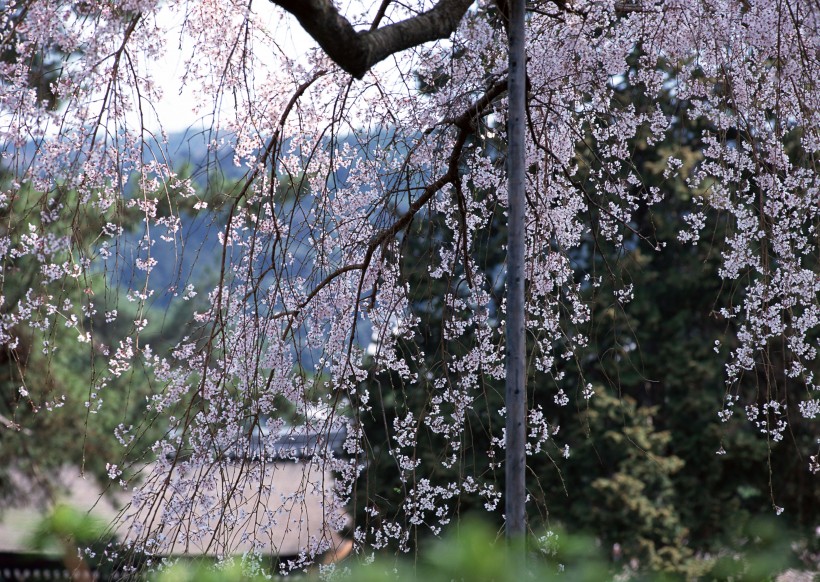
466 125
356 52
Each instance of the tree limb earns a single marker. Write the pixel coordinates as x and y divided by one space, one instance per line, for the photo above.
466 126
356 52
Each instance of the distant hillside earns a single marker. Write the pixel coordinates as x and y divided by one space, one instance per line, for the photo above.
193 254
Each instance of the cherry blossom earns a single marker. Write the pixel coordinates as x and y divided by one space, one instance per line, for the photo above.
336 171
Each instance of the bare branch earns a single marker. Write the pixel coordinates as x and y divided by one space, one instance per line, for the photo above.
356 52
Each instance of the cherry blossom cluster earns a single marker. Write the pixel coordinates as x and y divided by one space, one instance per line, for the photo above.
312 299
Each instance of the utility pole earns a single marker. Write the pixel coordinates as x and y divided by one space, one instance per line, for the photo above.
516 381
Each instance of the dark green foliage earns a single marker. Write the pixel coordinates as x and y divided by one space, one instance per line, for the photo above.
390 398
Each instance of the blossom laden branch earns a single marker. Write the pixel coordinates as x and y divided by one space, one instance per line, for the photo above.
465 122
321 235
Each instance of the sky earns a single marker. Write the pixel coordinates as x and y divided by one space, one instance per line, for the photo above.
175 111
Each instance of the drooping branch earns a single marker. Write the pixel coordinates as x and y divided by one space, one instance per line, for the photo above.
357 51
465 122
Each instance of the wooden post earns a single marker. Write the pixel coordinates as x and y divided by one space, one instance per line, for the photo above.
516 381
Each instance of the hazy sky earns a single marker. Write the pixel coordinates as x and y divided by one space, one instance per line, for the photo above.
175 110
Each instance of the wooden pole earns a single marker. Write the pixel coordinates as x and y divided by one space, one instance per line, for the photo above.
516 381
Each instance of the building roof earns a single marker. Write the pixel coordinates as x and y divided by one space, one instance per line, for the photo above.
282 507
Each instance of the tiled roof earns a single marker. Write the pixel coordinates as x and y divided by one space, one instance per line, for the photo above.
285 509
